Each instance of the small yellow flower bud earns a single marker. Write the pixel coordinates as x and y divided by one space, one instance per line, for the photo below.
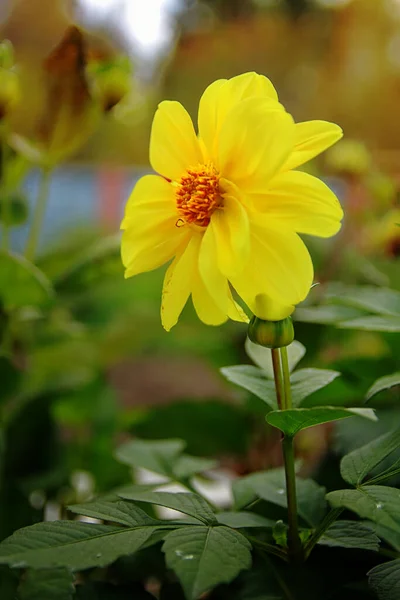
271 334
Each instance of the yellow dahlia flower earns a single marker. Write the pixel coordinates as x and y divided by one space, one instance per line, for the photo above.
227 205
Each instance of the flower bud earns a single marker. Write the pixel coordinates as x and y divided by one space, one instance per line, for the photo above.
348 157
271 334
9 81
110 80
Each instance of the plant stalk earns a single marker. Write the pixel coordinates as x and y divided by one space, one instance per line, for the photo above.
294 543
286 378
38 215
5 198
295 546
276 363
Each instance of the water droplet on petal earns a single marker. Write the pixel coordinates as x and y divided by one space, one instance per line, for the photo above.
98 555
188 557
280 492
379 505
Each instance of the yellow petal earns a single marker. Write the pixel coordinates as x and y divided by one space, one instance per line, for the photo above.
152 193
255 141
270 310
222 95
302 203
151 236
204 305
215 282
312 138
173 143
209 113
232 235
158 249
279 266
178 283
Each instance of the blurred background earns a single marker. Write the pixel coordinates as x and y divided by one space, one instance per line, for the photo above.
95 366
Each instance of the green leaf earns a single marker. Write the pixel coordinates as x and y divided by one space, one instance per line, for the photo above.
350 534
280 533
375 502
238 519
307 381
379 300
294 420
355 466
47 584
383 383
389 535
262 357
71 544
271 486
157 456
253 380
204 557
385 580
304 382
21 282
190 504
124 513
389 324
186 466
326 314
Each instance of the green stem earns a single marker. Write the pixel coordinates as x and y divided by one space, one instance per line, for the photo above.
38 215
5 200
269 548
330 518
276 363
294 542
286 378
284 398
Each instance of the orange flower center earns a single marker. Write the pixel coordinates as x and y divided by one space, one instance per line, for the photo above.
198 195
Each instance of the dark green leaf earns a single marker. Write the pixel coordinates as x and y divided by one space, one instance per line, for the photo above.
9 579
379 300
106 591
385 580
124 513
350 534
262 356
190 504
383 383
355 466
237 520
204 557
253 380
71 544
47 584
307 381
375 502
157 456
21 282
294 420
271 486
389 324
